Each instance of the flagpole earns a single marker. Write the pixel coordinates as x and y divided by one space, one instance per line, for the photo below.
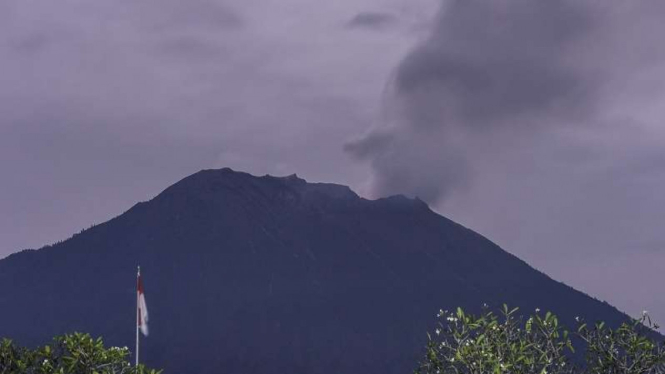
138 274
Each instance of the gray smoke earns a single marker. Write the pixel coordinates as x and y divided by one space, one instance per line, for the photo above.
492 77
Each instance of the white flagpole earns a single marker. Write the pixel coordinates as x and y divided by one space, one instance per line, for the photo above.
138 274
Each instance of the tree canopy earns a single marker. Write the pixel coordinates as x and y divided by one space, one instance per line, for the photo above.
69 354
505 342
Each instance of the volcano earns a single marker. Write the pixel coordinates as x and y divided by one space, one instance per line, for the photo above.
247 274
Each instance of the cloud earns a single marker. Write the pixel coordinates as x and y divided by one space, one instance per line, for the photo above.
372 20
204 14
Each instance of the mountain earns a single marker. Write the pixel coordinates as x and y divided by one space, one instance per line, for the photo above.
248 274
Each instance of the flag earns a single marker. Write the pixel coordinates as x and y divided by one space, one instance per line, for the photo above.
142 312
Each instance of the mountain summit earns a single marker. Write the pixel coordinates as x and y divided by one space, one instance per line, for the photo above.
248 274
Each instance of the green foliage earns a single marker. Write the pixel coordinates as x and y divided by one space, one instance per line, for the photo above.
627 349
70 354
507 343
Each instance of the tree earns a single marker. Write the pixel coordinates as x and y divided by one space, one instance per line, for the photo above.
507 343
70 354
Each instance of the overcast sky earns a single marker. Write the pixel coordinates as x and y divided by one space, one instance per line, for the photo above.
537 124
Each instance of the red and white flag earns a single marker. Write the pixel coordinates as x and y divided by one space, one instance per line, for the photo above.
142 312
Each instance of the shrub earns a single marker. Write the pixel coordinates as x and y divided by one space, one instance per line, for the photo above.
507 343
70 354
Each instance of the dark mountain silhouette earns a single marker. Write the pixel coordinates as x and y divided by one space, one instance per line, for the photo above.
248 274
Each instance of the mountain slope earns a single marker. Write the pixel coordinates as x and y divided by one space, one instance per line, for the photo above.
248 274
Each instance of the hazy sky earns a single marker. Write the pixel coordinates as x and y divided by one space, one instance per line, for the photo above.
535 123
